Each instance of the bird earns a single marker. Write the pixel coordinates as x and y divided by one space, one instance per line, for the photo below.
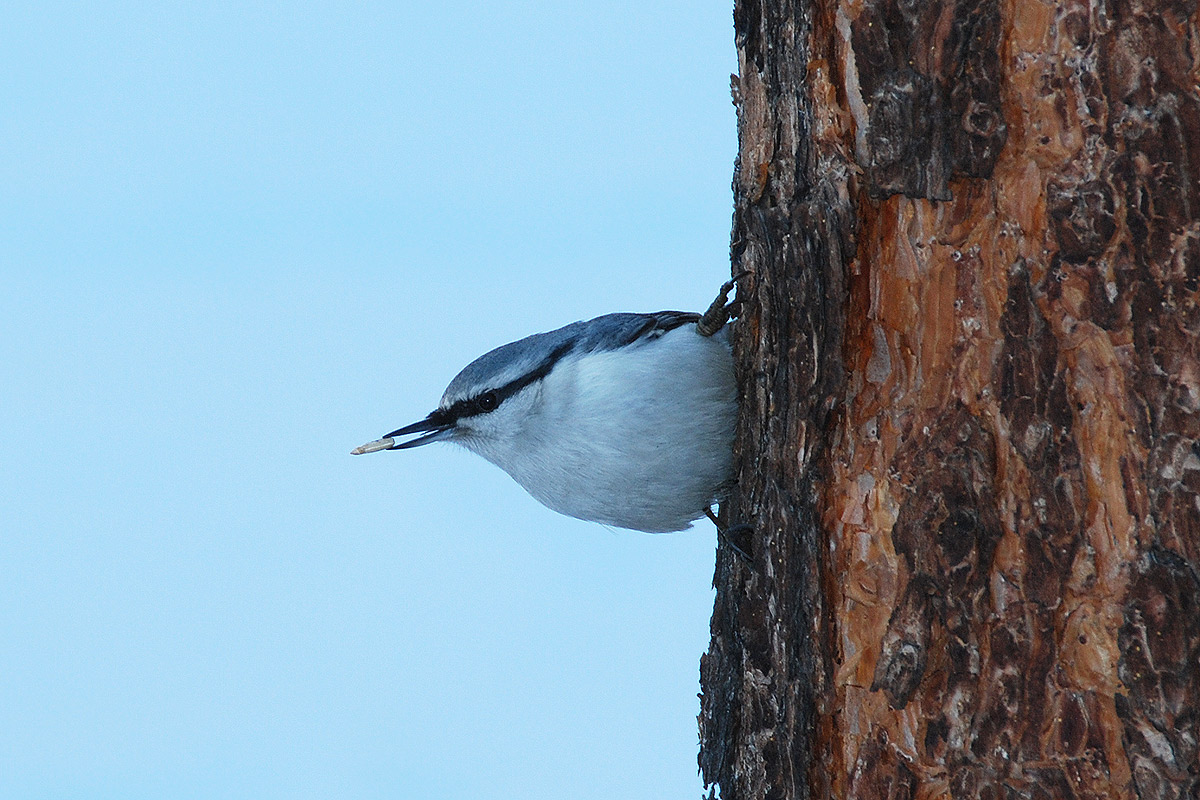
626 419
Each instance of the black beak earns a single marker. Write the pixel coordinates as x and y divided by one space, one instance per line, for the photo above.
432 428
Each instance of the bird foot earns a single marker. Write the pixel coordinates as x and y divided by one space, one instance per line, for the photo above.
720 311
724 535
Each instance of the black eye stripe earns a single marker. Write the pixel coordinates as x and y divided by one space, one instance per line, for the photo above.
630 329
472 406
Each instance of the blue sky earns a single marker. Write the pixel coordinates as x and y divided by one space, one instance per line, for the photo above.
238 240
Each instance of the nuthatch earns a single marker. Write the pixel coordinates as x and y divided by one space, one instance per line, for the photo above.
625 419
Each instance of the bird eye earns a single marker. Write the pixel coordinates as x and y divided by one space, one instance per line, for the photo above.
488 401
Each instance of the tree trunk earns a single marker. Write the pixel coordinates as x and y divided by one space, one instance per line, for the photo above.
969 356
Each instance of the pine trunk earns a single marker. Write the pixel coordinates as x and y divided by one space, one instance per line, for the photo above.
969 451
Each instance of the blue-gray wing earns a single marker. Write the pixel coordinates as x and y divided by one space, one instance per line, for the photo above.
620 330
520 362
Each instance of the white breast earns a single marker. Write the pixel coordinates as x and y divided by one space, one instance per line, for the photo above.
640 437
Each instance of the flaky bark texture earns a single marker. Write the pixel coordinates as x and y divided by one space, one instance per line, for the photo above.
970 444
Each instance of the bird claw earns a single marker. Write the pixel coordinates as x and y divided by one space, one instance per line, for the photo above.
720 311
723 535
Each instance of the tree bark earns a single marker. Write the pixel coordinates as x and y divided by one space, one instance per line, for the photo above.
969 357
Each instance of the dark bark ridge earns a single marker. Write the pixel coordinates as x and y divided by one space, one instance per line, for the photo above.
763 677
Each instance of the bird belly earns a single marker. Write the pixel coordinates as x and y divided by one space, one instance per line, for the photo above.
637 438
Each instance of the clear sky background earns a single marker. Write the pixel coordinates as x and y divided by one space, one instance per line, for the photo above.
236 241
